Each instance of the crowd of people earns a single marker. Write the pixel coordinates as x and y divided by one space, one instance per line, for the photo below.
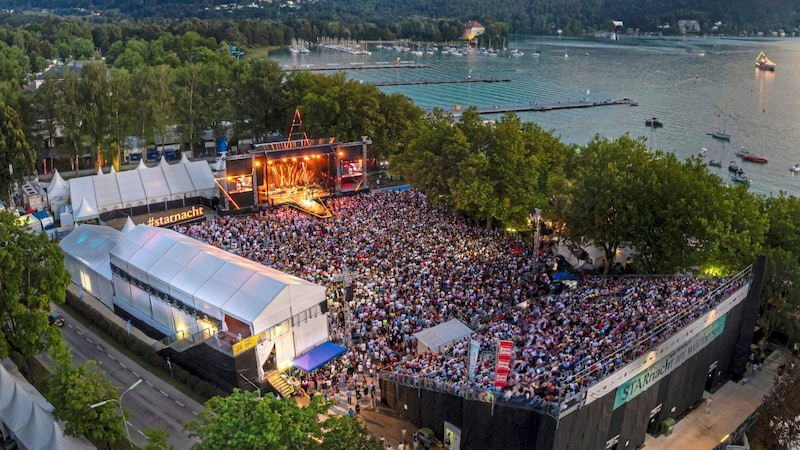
415 266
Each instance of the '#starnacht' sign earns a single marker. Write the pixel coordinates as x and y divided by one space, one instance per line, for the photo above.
193 213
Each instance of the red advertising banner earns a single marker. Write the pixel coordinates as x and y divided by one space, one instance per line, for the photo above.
503 361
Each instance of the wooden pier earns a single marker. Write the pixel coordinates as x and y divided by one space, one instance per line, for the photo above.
444 81
353 66
542 107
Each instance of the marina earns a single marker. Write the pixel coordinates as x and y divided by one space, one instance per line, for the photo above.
694 86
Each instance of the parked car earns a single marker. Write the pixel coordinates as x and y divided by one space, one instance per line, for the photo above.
56 319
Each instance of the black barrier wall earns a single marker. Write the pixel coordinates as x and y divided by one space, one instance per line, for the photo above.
742 351
594 426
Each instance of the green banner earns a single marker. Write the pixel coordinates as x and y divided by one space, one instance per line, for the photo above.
663 366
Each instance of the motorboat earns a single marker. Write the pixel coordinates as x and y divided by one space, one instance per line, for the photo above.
740 178
703 151
755 159
795 168
764 63
742 152
734 167
653 122
715 163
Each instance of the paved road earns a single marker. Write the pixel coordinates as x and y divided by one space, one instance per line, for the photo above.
153 403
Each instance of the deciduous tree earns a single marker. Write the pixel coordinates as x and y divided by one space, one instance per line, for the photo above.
17 158
245 421
32 274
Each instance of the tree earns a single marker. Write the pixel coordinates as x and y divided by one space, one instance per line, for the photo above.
245 421
157 439
430 158
777 425
781 306
32 274
95 97
257 98
17 158
72 391
603 194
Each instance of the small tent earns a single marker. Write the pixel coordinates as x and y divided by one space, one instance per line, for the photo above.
85 211
129 225
433 339
57 192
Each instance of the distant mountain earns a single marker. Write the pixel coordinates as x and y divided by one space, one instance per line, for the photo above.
573 17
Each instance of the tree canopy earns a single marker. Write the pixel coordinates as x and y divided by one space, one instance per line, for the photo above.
32 274
246 421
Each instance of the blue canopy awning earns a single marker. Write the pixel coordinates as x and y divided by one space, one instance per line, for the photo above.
318 356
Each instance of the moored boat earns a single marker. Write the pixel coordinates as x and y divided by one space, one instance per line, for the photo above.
721 135
742 152
715 163
755 159
740 178
795 168
764 63
653 122
702 152
734 167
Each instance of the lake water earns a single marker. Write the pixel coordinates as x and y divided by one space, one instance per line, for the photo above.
694 85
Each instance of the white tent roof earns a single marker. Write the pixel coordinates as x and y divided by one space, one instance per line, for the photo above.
107 192
82 188
155 185
443 334
212 280
29 416
85 211
91 245
129 225
132 191
142 165
202 178
58 187
178 179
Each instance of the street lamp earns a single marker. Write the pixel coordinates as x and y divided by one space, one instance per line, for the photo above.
124 422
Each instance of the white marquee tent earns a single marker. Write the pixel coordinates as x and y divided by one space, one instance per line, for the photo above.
86 255
28 417
57 192
434 338
115 190
85 211
233 290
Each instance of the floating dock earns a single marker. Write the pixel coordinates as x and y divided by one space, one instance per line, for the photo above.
353 66
444 81
537 107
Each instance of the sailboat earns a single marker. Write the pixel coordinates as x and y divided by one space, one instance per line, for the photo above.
722 135
536 53
566 55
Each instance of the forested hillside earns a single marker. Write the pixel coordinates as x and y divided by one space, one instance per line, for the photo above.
573 17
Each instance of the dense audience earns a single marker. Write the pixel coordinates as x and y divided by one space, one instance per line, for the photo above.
414 266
